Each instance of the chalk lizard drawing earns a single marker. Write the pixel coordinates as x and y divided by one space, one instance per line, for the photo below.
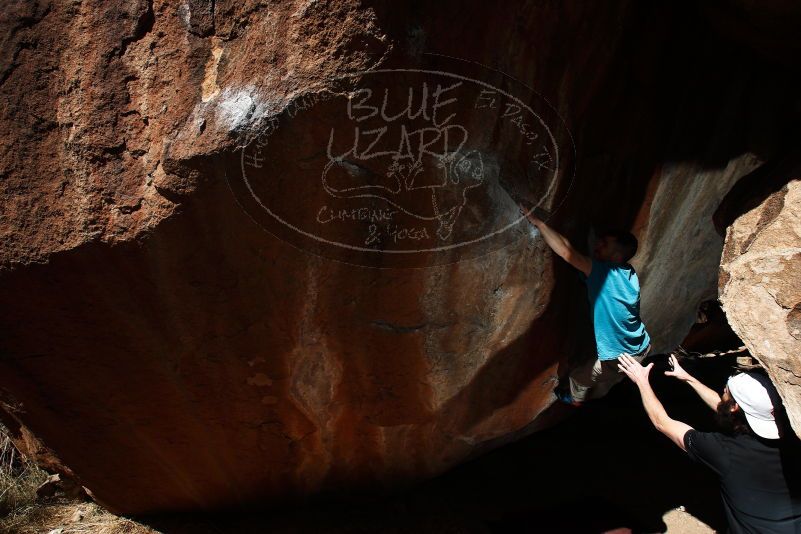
439 199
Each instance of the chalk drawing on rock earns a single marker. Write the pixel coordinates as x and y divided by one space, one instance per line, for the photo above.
405 167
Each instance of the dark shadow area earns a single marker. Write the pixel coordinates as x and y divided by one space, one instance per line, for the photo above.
726 85
604 467
711 331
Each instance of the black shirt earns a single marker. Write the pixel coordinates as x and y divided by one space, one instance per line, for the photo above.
758 480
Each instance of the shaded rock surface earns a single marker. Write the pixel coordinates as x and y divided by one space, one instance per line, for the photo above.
174 354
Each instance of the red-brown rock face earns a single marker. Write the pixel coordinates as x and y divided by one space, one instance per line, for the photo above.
225 279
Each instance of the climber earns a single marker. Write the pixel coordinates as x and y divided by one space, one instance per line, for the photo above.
758 464
614 294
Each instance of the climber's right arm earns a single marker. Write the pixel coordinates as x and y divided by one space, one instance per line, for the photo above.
561 246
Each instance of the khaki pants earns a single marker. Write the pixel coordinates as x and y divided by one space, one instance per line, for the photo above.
594 379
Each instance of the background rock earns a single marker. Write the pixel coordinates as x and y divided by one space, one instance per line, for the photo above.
175 355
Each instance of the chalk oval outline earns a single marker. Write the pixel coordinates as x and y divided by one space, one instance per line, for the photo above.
553 184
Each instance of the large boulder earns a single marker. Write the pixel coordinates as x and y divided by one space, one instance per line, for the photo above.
760 285
195 311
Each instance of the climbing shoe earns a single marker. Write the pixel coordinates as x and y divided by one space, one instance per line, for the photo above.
565 397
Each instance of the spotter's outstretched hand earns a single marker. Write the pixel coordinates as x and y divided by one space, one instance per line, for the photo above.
678 371
636 372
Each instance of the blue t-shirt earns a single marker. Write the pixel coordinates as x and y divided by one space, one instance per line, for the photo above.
614 293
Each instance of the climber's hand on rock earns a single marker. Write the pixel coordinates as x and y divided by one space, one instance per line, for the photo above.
636 372
678 371
528 213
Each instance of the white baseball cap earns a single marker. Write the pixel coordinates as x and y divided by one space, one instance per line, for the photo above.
754 393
